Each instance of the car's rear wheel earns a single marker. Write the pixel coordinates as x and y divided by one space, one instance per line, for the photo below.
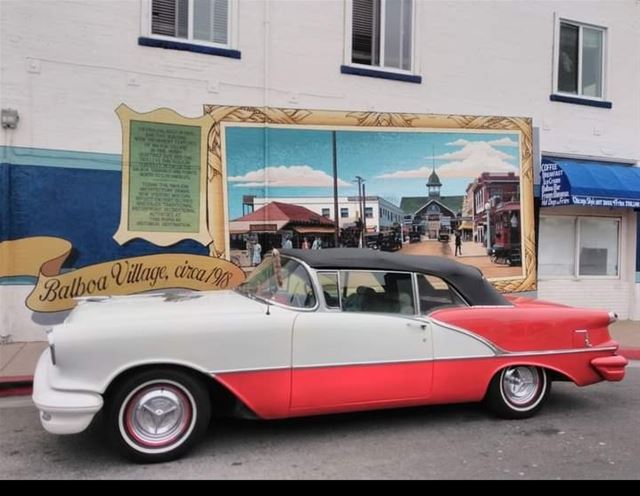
518 391
157 415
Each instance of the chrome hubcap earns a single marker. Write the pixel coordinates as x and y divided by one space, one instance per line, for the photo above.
520 384
158 415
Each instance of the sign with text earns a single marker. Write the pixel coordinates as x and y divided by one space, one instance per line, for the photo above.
164 177
42 257
554 188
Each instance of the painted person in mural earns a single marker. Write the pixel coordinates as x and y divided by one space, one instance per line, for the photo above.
257 253
317 244
458 244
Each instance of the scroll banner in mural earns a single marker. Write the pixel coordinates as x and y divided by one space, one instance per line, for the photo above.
164 177
42 257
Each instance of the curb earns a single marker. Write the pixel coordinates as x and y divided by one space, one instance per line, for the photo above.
630 353
16 386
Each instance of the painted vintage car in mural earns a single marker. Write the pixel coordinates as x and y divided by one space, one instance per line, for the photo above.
312 332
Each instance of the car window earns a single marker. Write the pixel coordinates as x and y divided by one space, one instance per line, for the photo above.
434 292
377 291
287 282
330 289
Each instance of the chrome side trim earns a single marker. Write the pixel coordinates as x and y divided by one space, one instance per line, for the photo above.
253 369
360 364
561 352
418 360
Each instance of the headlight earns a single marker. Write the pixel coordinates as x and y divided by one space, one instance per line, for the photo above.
52 346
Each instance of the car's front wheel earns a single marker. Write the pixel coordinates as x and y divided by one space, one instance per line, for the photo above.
157 415
518 391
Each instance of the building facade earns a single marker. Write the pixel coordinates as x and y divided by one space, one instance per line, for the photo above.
66 67
380 214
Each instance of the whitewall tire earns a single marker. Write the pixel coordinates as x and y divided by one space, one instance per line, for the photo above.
157 415
518 391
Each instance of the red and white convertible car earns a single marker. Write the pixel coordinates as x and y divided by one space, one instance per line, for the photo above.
312 332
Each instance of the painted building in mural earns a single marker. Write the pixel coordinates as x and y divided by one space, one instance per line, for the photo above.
379 212
67 155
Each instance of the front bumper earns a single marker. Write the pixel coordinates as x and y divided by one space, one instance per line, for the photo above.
611 368
62 412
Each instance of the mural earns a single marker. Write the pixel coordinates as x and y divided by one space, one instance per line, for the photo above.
196 202
453 186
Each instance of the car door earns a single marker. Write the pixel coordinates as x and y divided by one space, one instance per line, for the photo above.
372 349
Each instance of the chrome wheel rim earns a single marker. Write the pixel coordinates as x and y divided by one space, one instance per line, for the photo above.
158 415
520 385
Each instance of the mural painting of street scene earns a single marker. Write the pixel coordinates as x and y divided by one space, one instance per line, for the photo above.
451 194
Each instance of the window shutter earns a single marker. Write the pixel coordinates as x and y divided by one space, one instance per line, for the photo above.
220 21
365 37
170 18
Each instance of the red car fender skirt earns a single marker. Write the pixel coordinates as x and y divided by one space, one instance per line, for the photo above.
611 368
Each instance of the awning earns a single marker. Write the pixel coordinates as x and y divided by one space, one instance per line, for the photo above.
593 184
315 230
466 225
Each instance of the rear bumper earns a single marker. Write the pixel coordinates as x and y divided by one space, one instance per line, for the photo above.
62 412
611 368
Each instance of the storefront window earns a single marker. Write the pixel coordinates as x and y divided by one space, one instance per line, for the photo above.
557 246
579 246
599 247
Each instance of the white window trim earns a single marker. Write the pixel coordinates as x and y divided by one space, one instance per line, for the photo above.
232 31
348 36
576 234
556 54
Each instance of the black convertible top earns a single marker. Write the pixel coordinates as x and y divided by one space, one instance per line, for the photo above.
466 279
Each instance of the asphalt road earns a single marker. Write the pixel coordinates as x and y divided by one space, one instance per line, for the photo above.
582 433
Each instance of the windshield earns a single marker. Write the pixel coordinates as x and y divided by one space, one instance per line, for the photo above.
289 285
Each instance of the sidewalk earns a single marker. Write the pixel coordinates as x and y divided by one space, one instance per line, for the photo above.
18 360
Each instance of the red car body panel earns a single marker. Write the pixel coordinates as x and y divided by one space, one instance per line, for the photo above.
530 327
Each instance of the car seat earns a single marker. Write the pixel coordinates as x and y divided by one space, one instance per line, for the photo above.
360 301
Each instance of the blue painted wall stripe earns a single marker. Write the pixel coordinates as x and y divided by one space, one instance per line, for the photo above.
77 204
18 281
45 157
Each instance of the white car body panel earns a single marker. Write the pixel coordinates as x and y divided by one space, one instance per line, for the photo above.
211 332
344 338
62 412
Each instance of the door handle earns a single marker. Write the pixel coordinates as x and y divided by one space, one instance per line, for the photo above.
417 325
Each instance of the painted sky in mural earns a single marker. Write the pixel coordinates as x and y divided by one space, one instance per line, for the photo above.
280 162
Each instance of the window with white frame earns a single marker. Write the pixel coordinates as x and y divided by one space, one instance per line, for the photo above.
382 33
196 21
579 246
580 60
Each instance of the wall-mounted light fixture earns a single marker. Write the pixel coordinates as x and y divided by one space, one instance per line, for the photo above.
9 118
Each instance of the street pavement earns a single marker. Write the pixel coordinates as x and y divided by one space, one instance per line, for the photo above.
472 254
581 433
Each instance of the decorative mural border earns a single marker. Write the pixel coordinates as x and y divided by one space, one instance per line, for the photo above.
267 116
